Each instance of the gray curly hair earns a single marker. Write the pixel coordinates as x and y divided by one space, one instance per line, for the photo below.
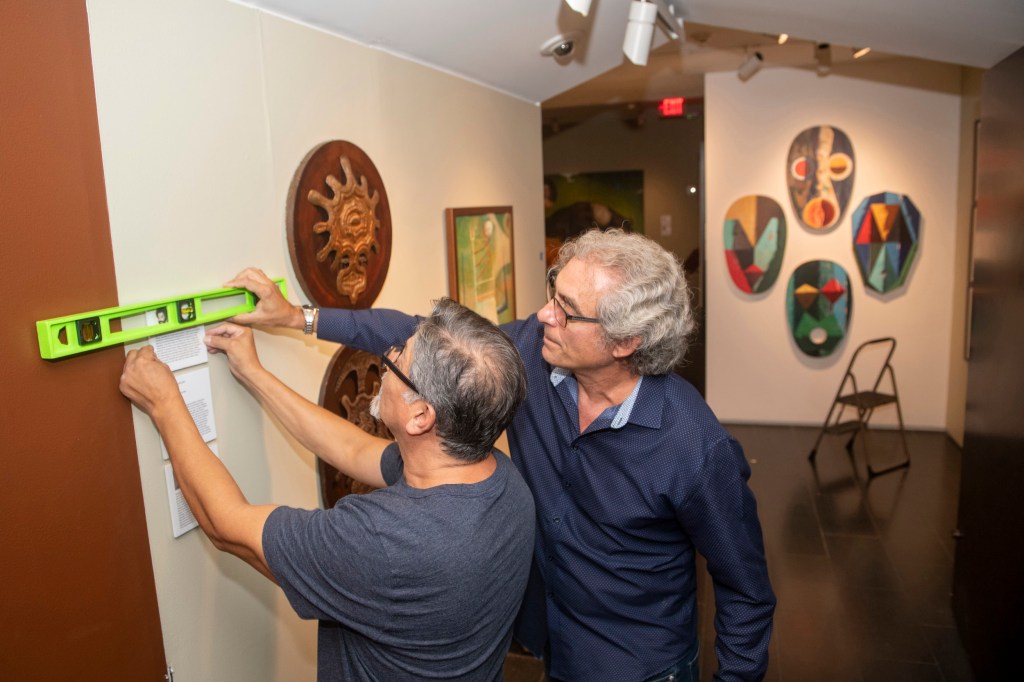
651 299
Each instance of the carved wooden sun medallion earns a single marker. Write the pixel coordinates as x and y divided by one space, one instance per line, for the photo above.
339 226
350 385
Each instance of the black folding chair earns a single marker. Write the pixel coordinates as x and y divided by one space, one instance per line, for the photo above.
864 401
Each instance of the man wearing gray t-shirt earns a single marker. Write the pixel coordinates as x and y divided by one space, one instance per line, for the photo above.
420 579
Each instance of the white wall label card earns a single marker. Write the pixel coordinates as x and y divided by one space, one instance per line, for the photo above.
195 389
180 349
182 519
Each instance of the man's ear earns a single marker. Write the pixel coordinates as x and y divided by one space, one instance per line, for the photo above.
422 419
623 349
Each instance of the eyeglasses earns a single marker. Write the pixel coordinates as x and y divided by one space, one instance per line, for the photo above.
396 350
562 316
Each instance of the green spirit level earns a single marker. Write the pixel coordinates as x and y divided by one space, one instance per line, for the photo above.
72 334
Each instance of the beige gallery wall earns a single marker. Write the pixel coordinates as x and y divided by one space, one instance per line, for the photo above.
907 140
205 110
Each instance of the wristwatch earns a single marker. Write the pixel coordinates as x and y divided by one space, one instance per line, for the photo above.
309 315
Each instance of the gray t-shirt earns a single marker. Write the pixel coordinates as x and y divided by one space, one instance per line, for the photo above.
409 583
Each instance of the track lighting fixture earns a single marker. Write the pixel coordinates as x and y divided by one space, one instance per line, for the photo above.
579 6
639 31
823 56
751 65
640 28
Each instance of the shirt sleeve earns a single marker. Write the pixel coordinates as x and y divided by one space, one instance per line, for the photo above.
720 516
330 563
373 331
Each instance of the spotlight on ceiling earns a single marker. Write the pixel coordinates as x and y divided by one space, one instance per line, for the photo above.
823 56
639 31
579 6
751 65
859 52
783 38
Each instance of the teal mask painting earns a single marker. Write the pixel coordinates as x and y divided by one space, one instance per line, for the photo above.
818 306
886 233
755 239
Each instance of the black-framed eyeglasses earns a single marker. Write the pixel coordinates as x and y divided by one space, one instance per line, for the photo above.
562 315
396 350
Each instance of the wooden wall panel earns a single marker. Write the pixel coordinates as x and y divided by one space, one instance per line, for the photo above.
79 600
987 592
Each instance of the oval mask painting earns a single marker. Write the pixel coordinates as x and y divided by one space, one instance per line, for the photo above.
886 232
755 238
818 306
819 173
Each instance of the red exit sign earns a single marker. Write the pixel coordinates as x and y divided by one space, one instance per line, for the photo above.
672 106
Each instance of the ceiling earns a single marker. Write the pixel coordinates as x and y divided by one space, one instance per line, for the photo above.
498 42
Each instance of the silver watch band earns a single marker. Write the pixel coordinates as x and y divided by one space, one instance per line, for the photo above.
308 316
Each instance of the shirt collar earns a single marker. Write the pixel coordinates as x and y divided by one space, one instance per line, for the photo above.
559 374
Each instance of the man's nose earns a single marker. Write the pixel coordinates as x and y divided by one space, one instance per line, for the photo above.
547 313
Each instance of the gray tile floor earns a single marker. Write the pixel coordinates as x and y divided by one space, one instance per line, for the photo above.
862 568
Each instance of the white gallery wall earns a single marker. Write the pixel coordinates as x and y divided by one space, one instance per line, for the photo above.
206 108
905 140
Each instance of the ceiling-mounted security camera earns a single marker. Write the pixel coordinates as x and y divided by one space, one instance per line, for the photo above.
561 47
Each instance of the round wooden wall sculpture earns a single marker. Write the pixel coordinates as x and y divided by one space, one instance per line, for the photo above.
339 226
350 384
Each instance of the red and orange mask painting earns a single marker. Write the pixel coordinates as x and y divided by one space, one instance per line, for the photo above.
820 176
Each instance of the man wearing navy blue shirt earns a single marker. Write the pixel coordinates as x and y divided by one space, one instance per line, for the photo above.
631 472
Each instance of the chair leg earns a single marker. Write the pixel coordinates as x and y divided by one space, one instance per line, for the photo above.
872 472
878 472
903 434
821 434
899 417
814 450
824 429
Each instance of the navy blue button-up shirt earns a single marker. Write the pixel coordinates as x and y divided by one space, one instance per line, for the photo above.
622 509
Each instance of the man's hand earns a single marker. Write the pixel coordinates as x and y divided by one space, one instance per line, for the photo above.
146 381
221 509
237 343
272 310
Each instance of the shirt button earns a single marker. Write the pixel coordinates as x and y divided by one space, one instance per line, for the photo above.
556 519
